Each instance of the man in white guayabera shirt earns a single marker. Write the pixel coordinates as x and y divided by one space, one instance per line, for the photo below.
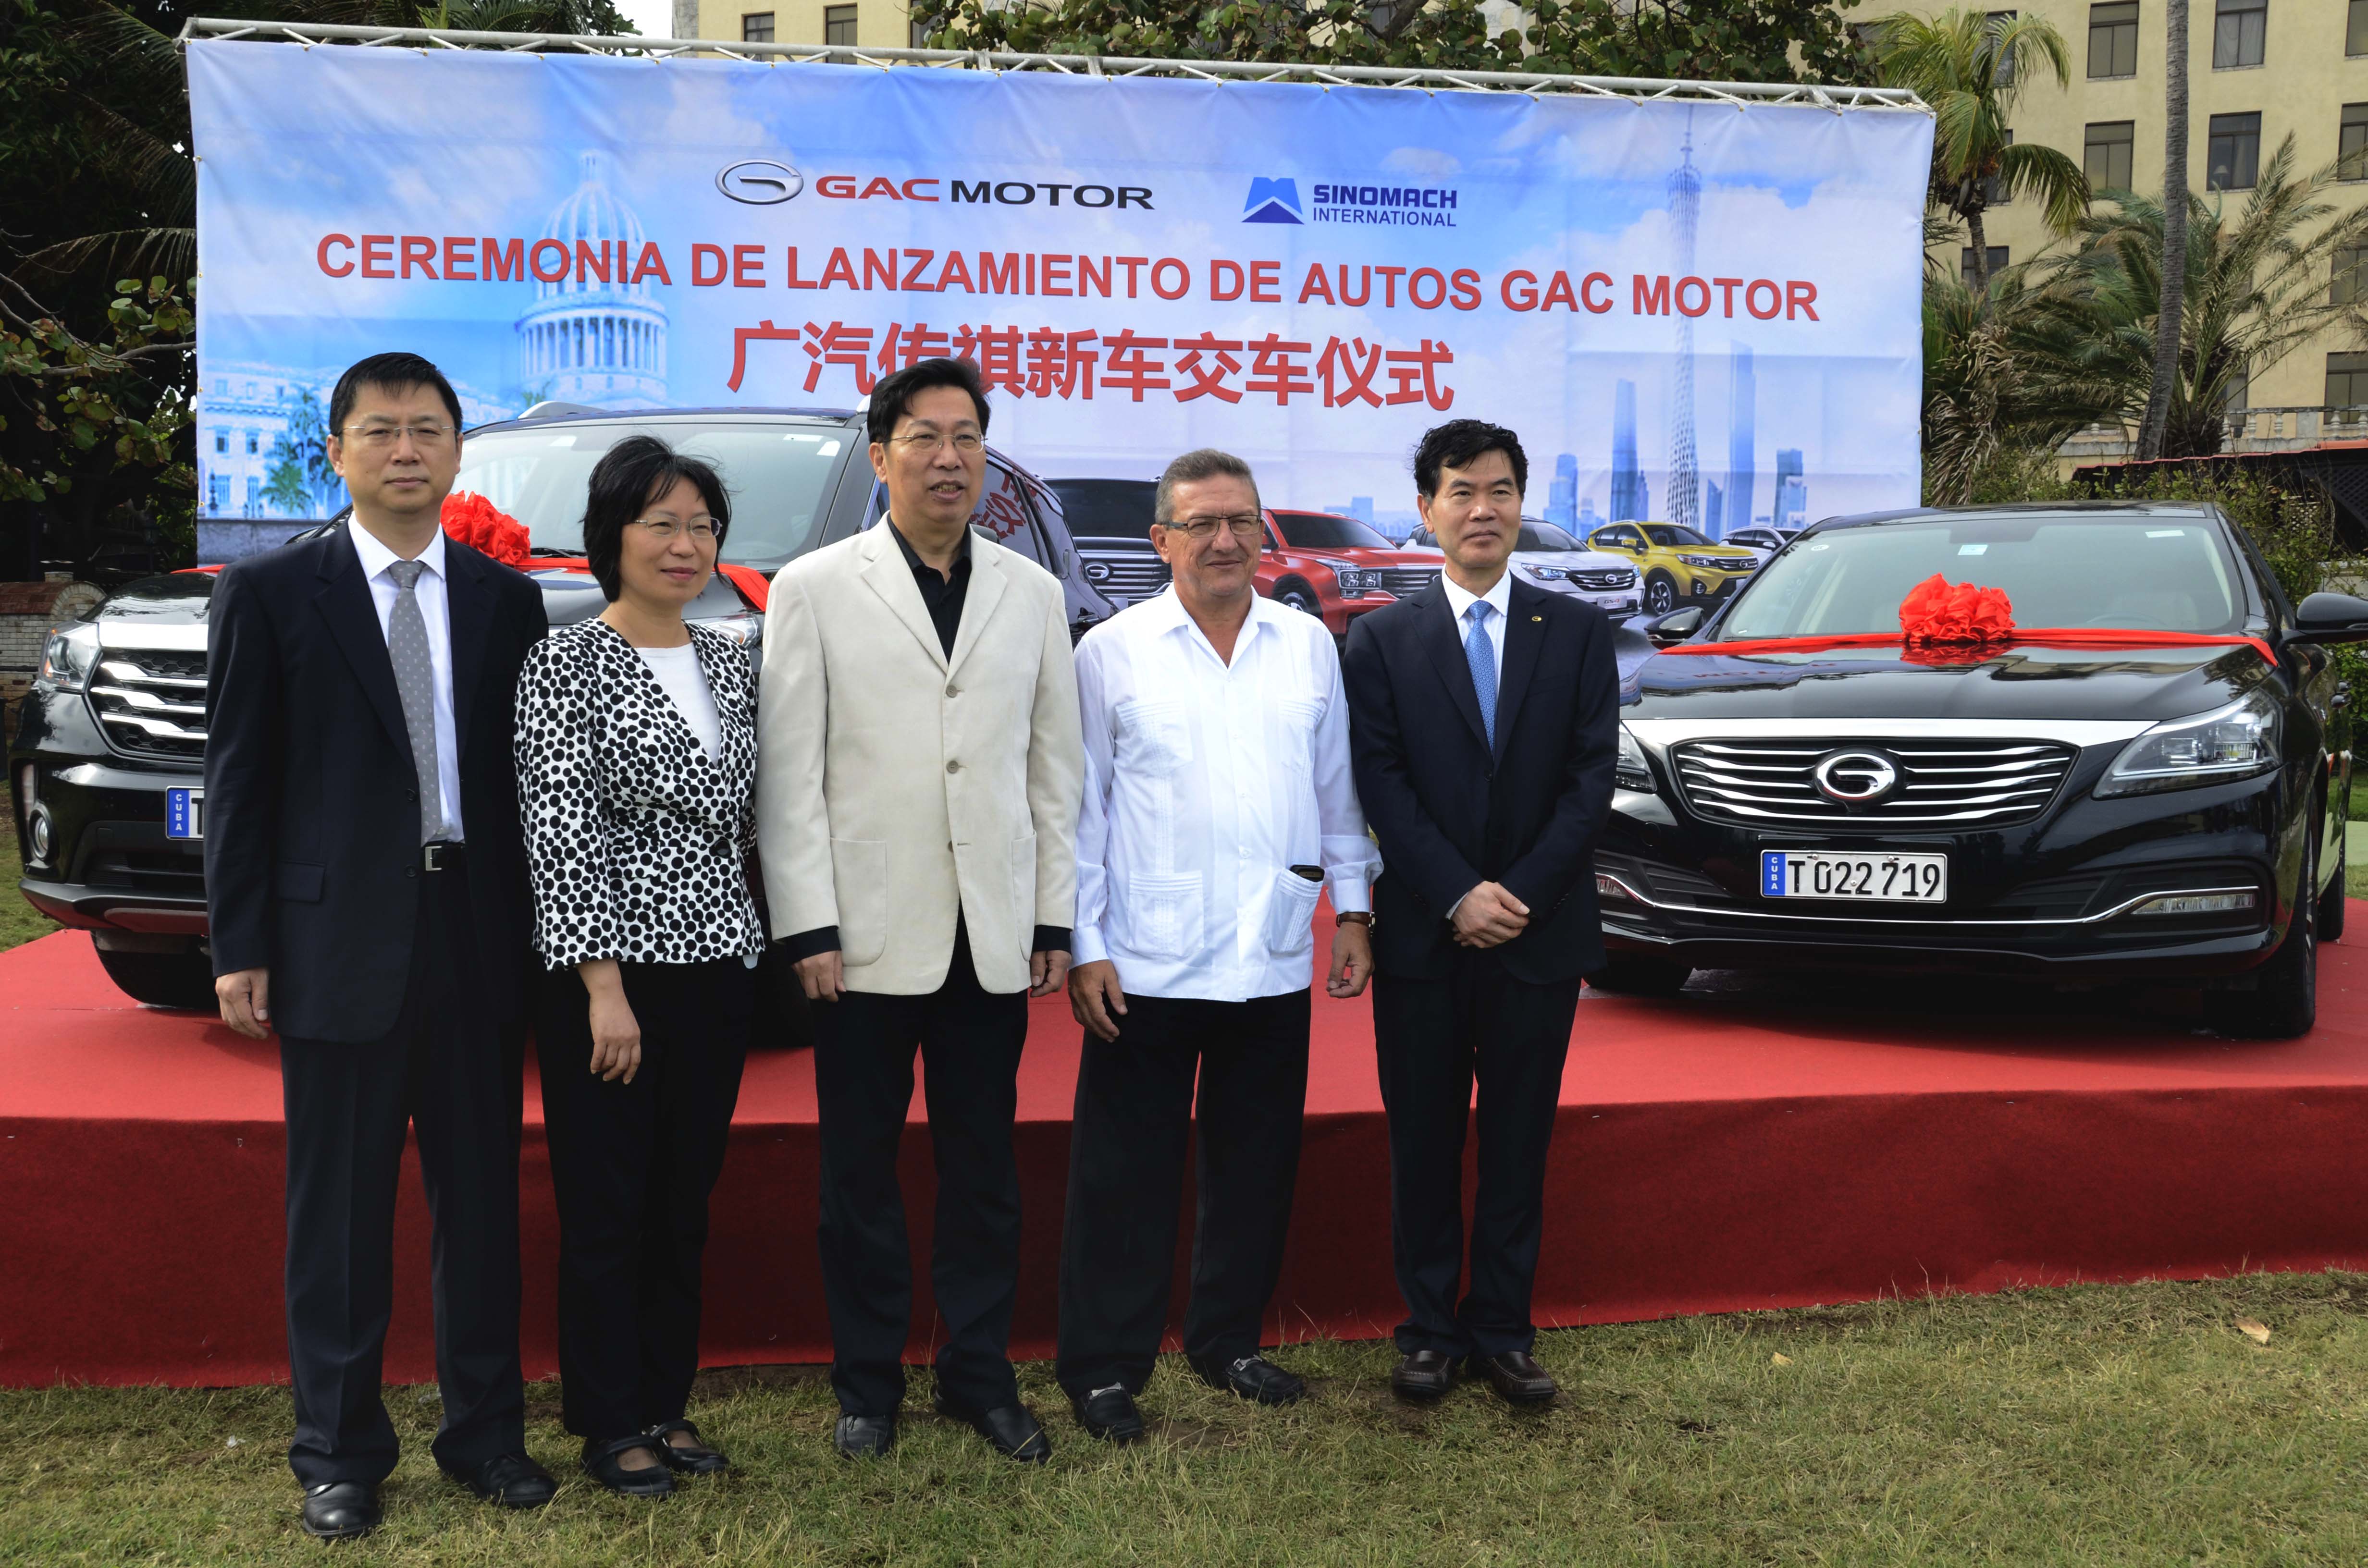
1218 807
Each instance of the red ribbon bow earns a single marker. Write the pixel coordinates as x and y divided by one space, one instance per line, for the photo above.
486 527
1937 610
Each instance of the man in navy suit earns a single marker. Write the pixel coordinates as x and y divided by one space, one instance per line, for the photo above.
366 889
1483 717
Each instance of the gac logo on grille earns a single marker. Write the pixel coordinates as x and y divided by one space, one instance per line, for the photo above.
1855 778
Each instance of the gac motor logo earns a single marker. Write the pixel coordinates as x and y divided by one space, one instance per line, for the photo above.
760 182
1854 778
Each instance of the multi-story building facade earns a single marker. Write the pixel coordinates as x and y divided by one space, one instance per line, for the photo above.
867 24
2259 71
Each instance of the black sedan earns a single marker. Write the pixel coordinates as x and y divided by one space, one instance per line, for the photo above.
2140 787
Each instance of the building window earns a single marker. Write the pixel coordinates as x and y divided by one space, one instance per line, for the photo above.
254 443
254 496
2238 33
2234 153
218 487
2113 39
2347 381
1995 191
1998 263
756 27
2352 143
2348 284
2239 394
2355 30
2004 75
838 25
222 441
2107 156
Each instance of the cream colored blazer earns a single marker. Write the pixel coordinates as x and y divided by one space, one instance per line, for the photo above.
897 787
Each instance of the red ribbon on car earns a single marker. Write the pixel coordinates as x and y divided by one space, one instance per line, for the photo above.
1947 623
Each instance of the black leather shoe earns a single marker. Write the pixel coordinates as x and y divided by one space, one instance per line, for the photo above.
341 1510
1013 1429
1110 1414
600 1464
1423 1374
512 1480
694 1458
864 1436
1517 1379
1252 1377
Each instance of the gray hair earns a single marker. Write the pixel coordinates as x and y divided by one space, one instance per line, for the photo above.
1206 463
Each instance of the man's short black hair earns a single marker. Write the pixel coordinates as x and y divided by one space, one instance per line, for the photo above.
892 398
1460 443
631 474
388 373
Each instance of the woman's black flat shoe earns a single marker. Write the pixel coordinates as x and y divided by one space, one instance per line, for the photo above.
694 1459
600 1464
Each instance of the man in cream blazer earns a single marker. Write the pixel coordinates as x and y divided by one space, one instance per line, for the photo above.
918 774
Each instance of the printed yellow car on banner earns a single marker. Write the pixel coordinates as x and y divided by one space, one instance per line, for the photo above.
1679 566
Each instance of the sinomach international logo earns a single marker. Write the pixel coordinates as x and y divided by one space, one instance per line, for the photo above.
759 182
1272 201
1398 206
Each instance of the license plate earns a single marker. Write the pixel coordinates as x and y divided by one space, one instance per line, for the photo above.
1873 879
185 813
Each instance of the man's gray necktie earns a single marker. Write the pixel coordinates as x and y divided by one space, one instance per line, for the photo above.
415 682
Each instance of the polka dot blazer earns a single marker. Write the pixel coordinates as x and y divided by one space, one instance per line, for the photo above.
637 840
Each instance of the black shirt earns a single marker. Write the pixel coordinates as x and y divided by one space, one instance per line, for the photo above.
944 595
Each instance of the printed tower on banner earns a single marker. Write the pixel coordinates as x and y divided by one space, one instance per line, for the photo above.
1685 476
594 335
1627 484
1562 496
1742 397
1792 501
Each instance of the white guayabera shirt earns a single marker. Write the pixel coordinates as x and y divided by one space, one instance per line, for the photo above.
1205 784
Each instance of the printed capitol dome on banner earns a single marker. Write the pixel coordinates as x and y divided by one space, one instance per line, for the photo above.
587 338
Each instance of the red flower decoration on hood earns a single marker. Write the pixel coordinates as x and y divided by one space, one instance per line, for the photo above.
484 527
1938 611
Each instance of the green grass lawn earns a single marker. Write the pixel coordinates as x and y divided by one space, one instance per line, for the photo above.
2128 1426
19 922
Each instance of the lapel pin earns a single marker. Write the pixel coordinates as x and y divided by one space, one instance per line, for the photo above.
1537 617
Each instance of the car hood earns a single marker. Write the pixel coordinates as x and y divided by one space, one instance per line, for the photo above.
1575 560
2022 682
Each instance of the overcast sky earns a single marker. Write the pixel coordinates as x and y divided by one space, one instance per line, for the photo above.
650 19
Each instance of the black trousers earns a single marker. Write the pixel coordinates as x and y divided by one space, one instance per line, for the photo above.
633 1165
1126 1173
1434 1038
450 1072
969 1043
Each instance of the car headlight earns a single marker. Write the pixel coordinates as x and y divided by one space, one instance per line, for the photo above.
1544 573
2235 741
1632 771
1713 563
1356 582
67 659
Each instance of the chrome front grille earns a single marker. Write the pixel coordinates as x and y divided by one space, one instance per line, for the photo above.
1129 575
151 700
1942 783
1407 581
1617 577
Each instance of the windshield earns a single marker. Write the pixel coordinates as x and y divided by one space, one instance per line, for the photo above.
1322 530
1106 509
777 474
1546 536
2141 573
1672 533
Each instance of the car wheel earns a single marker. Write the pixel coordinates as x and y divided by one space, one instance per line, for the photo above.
2285 1002
2334 901
1641 974
1300 597
1660 594
163 979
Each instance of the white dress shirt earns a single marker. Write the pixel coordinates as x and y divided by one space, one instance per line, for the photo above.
1499 598
1205 783
435 610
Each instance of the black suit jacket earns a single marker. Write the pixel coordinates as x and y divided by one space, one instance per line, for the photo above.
1448 813
311 805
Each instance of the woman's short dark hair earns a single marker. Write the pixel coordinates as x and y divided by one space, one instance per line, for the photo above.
1460 443
633 473
892 398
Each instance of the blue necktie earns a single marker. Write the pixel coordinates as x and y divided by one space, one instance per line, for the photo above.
1481 655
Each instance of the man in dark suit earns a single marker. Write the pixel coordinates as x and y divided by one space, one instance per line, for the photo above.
366 886
1483 717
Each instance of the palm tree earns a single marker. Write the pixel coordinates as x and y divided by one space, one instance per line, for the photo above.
2161 389
1969 67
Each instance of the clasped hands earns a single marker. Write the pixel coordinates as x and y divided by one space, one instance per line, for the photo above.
1488 917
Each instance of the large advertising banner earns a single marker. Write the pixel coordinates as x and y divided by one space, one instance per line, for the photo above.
1696 312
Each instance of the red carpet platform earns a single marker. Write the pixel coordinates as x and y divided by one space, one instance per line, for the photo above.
1761 1144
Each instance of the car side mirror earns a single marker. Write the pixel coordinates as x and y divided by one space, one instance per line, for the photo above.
1669 631
2330 618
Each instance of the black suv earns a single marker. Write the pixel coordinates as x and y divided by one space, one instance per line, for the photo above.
2105 806
105 764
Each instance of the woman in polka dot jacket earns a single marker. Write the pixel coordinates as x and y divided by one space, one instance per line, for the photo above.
637 763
